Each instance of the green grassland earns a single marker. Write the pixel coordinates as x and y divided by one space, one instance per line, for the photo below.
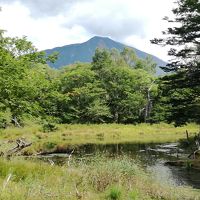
72 135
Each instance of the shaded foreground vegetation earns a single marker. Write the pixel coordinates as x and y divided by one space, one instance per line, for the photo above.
98 178
71 135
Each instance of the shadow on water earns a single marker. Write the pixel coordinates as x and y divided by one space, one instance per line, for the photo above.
152 156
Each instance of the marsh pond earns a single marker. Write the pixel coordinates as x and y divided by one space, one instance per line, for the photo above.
153 157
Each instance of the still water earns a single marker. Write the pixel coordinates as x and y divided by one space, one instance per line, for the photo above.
151 156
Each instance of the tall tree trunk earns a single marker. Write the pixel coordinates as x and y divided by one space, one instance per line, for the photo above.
149 104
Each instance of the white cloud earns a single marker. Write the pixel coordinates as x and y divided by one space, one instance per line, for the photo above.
131 21
45 32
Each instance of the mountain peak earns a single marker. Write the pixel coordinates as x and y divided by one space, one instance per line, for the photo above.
101 42
84 52
99 38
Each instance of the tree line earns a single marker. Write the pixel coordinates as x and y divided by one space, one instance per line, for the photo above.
116 87
112 88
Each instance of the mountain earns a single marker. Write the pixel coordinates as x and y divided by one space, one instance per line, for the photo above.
83 52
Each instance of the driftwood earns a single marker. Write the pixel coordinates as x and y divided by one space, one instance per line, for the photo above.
70 157
192 160
197 142
194 154
78 195
51 162
21 144
176 163
6 181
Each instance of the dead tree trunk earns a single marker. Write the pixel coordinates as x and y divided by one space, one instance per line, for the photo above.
197 142
149 103
187 135
21 144
14 119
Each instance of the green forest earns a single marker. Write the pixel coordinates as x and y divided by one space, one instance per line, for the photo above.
113 88
116 87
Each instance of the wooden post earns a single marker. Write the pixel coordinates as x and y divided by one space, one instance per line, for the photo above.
187 135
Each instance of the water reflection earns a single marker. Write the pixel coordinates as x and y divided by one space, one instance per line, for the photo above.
151 156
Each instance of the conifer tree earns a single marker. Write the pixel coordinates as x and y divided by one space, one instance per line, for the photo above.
182 86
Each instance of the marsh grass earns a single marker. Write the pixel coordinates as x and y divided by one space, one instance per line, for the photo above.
72 135
115 193
97 178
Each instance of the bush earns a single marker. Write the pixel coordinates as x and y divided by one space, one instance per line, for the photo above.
5 118
49 127
114 193
49 145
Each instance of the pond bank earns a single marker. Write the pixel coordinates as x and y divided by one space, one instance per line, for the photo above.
74 135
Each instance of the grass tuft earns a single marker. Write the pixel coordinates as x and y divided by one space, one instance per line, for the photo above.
115 193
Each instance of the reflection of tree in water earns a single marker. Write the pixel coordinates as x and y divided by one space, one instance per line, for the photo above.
186 177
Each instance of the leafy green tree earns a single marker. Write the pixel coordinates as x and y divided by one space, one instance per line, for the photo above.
86 97
127 90
117 58
130 58
5 117
161 109
126 87
184 101
101 59
19 86
43 87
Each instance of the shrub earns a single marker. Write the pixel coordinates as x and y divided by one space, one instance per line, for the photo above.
49 127
5 118
114 193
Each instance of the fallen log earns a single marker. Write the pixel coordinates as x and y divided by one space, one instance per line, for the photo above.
188 163
21 144
193 154
176 163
